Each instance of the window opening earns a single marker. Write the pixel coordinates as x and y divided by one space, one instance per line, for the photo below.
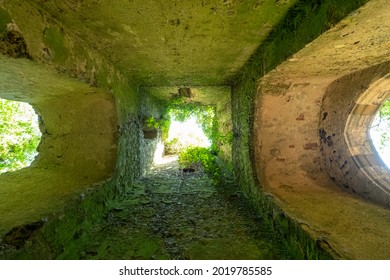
19 135
189 127
380 132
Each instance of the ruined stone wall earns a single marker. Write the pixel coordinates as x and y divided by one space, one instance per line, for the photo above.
90 152
78 146
151 138
307 109
305 21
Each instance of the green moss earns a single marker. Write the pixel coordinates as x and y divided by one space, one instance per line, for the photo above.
55 41
304 21
296 241
5 18
219 249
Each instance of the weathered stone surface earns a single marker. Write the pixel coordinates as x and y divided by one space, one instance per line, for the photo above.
354 228
213 52
78 146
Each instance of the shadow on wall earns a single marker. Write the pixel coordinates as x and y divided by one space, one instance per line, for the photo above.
78 146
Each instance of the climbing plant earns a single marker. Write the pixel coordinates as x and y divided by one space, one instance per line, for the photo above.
19 135
179 110
199 157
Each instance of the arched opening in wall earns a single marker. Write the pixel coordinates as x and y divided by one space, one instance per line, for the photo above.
19 135
78 148
380 132
349 109
188 132
189 126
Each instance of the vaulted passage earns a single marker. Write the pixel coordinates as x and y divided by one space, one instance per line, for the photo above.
164 217
284 91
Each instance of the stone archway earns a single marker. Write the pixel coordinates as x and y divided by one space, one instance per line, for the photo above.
349 106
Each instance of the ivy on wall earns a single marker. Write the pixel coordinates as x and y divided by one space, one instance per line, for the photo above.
199 157
180 110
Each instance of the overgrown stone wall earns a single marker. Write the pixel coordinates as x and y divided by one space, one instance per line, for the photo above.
78 146
303 22
72 111
48 42
151 138
216 96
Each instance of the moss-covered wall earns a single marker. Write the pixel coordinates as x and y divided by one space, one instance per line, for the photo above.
294 106
79 151
78 146
59 45
218 97
161 43
303 22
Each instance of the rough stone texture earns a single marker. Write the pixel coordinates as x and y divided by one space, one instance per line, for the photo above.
161 42
82 123
167 214
124 46
350 104
352 227
303 22
78 146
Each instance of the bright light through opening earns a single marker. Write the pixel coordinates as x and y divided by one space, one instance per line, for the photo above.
19 135
188 133
380 132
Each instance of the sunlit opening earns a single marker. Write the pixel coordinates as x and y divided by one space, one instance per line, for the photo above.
19 135
379 132
185 126
188 133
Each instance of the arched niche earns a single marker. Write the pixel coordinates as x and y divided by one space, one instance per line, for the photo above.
348 109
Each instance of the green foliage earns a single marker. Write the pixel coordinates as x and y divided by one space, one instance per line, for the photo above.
180 110
382 125
173 147
151 122
226 139
162 124
200 157
19 137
